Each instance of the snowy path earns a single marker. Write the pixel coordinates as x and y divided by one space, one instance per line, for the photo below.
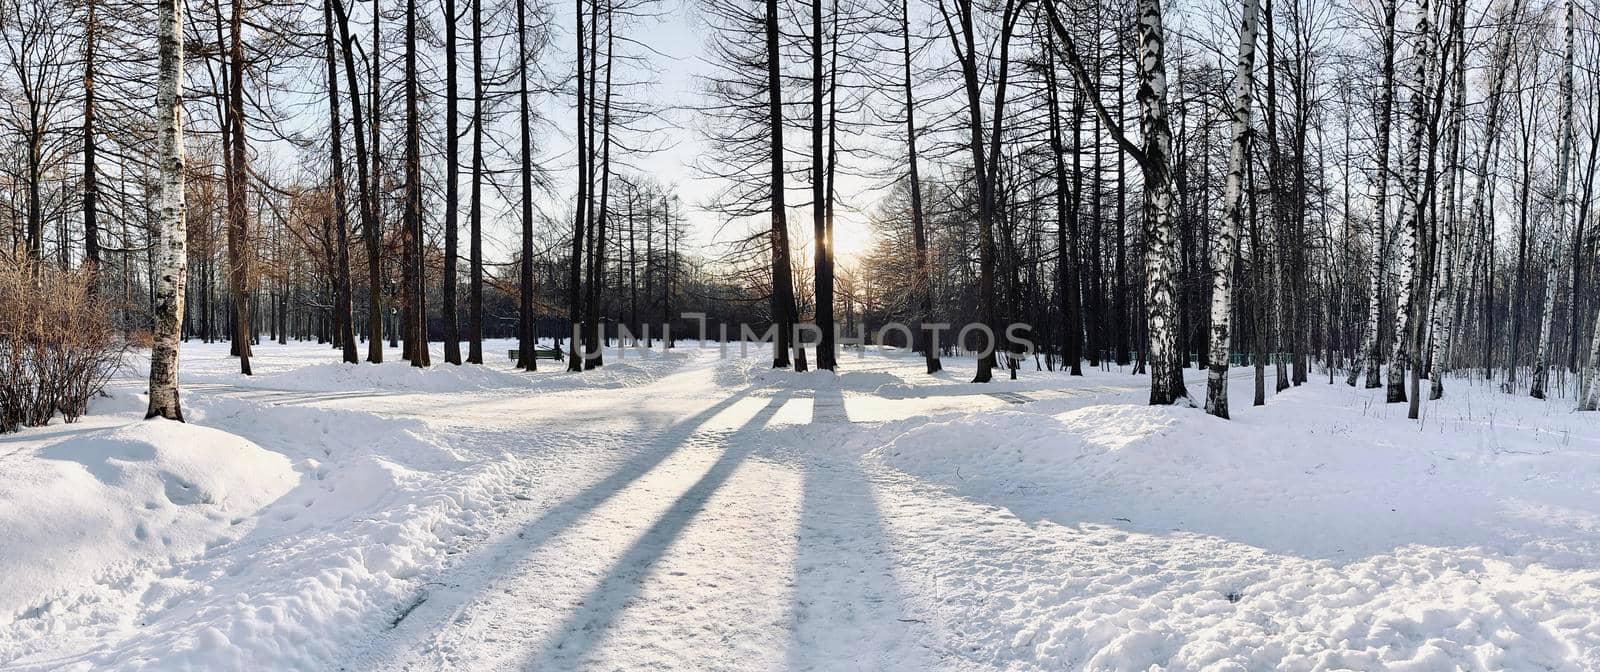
717 541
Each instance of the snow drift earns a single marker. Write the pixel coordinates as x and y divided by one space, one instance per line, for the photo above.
146 492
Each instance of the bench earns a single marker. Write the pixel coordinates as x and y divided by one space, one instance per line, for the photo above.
538 353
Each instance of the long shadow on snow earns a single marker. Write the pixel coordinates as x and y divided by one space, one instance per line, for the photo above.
471 577
585 628
848 610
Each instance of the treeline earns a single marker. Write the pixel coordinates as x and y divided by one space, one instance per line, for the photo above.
1285 184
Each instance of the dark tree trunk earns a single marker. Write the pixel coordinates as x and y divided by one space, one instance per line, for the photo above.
475 288
452 195
575 278
783 308
919 233
527 355
91 178
416 304
341 283
238 218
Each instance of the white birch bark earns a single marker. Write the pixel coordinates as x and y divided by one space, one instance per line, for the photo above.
1226 247
1422 65
1499 66
1166 373
1442 313
1380 219
1541 360
172 258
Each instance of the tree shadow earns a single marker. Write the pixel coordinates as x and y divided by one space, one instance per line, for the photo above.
430 612
586 627
827 407
848 611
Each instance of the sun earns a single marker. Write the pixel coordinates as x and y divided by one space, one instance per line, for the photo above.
852 240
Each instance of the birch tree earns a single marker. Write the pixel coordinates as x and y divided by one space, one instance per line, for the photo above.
1166 371
173 266
1379 227
1481 215
1226 246
1563 201
1422 65
1441 313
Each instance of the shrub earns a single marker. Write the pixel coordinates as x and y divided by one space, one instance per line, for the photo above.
58 345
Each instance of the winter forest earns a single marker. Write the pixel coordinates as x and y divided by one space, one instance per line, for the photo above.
816 334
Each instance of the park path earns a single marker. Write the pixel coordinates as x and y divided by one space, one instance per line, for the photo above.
705 526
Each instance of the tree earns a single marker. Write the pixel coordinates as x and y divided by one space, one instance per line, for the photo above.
1415 221
580 218
342 309
475 214
784 315
821 187
1226 247
985 158
452 189
1442 312
91 169
924 279
174 259
1166 372
1379 225
527 356
1564 212
366 192
413 275
236 167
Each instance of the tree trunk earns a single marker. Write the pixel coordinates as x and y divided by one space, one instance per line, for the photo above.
239 243
575 277
1226 246
1481 214
1442 313
919 232
366 193
1379 227
527 355
1563 198
1066 224
416 305
172 270
1413 223
341 282
91 178
594 342
452 189
475 288
783 308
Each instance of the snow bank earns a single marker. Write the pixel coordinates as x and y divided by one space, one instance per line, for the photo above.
1319 532
96 500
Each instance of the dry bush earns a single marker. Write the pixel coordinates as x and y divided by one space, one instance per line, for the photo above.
58 345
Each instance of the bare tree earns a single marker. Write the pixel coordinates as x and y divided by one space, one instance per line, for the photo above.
1226 246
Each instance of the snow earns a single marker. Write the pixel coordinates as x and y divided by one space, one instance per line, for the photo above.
688 511
87 500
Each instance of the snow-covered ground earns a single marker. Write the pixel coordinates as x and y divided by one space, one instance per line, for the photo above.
686 511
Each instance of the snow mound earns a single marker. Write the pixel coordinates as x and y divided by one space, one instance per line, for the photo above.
105 501
1303 535
339 376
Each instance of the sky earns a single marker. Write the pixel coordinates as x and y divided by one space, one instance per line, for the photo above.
679 34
